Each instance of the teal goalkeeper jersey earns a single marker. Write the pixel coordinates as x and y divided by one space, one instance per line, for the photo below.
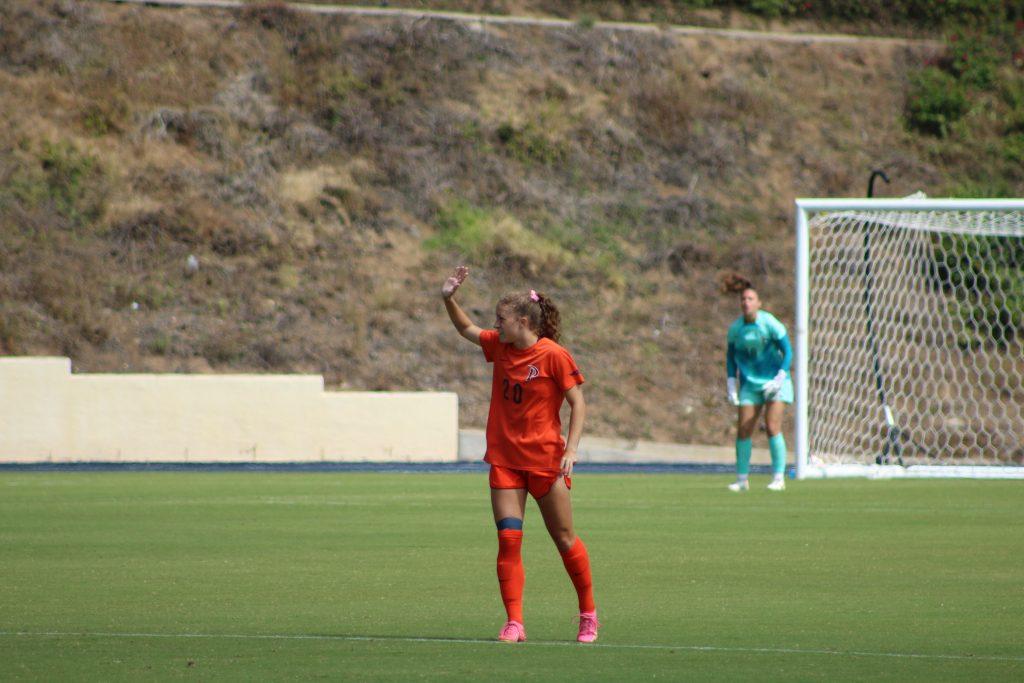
758 349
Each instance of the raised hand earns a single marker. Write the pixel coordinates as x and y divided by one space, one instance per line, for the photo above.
454 281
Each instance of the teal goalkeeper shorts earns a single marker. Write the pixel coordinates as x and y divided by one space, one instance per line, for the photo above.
752 392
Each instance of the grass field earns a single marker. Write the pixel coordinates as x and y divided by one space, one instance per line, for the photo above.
368 577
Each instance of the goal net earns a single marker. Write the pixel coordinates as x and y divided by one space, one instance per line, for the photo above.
910 338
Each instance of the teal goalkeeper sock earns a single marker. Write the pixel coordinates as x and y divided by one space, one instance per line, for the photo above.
777 448
743 449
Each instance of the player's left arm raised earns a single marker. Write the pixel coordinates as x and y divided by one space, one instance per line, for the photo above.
578 411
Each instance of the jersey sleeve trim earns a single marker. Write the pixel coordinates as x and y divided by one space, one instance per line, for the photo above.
564 370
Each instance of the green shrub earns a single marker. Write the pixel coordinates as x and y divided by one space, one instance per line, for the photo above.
336 86
973 59
159 345
987 187
483 235
921 12
935 100
462 227
1012 92
774 8
1013 148
71 182
530 144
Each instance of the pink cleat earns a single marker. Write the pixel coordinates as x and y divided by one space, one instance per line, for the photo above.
588 627
514 632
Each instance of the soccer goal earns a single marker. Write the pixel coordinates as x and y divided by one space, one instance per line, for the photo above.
910 338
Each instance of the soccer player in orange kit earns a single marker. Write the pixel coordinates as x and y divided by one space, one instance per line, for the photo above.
532 376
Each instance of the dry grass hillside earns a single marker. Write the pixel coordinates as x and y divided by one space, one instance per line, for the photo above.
863 17
326 173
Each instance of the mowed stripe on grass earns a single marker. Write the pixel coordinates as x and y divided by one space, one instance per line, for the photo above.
390 576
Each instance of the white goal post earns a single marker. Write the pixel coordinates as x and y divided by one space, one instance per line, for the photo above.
909 338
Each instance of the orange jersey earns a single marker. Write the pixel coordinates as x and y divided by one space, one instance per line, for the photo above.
524 430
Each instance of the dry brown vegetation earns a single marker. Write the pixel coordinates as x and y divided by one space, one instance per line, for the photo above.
873 18
327 172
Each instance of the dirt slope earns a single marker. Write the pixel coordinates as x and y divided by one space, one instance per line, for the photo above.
327 172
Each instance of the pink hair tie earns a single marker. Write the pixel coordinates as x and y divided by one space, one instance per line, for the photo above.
533 296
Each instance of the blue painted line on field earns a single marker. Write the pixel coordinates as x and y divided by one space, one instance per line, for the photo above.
399 467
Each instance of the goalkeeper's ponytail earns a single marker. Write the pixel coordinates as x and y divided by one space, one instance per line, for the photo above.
733 283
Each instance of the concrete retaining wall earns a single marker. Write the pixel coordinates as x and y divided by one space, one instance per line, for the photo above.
49 414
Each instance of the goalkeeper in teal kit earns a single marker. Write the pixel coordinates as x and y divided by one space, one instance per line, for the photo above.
757 362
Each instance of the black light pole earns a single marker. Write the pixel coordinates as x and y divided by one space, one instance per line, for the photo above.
871 181
892 447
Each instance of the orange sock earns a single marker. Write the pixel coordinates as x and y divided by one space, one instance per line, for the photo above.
511 576
577 563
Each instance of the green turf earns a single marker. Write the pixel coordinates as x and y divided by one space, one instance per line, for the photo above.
852 580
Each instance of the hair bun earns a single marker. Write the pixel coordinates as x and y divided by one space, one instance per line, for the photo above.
734 283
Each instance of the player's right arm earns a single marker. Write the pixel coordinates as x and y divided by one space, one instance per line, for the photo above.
731 389
458 316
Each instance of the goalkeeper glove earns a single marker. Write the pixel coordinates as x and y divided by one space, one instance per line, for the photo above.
773 386
730 389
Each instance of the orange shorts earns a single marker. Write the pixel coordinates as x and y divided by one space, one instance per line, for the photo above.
537 483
